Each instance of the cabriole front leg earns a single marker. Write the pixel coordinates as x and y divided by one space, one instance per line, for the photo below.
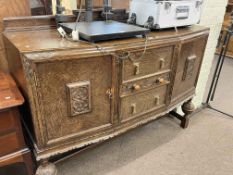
46 168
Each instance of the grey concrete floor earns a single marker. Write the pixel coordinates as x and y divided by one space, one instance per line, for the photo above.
163 148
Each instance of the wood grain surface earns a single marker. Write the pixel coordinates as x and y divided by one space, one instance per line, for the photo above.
10 8
10 96
13 148
45 65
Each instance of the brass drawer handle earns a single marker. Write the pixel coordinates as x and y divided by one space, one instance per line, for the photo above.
133 109
157 100
109 93
136 87
136 68
160 80
162 63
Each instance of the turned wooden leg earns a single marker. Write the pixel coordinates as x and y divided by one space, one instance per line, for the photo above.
46 168
188 108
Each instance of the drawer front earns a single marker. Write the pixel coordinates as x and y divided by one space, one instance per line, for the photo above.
9 143
131 87
7 121
135 105
154 60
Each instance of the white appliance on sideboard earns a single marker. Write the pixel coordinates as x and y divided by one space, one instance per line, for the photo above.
160 14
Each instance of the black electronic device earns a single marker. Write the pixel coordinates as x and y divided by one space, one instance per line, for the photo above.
104 30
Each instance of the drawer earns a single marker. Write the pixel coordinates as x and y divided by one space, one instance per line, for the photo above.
141 103
7 121
154 60
10 143
131 87
18 163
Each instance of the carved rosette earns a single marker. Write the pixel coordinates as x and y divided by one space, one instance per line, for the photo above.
79 98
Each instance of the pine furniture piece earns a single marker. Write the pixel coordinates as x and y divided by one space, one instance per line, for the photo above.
15 157
79 95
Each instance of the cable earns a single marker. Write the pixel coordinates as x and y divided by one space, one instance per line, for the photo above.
120 55
143 53
79 14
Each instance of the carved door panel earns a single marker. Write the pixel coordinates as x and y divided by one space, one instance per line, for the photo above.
188 67
72 97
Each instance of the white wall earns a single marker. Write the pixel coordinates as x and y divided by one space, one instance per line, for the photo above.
212 16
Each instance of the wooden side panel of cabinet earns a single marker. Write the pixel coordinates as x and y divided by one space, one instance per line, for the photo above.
10 8
188 66
72 97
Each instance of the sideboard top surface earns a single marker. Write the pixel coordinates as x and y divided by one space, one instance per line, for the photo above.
49 39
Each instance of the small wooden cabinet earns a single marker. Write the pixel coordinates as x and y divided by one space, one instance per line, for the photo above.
15 157
79 95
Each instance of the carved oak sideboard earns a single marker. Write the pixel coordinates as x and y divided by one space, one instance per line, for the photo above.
79 96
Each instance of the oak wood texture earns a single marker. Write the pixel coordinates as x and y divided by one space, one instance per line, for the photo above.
55 102
188 62
139 104
142 84
13 148
10 8
148 65
108 96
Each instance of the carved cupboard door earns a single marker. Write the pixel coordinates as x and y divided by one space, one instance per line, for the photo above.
72 97
188 67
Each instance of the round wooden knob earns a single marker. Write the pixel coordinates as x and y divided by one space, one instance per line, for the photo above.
160 80
136 87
